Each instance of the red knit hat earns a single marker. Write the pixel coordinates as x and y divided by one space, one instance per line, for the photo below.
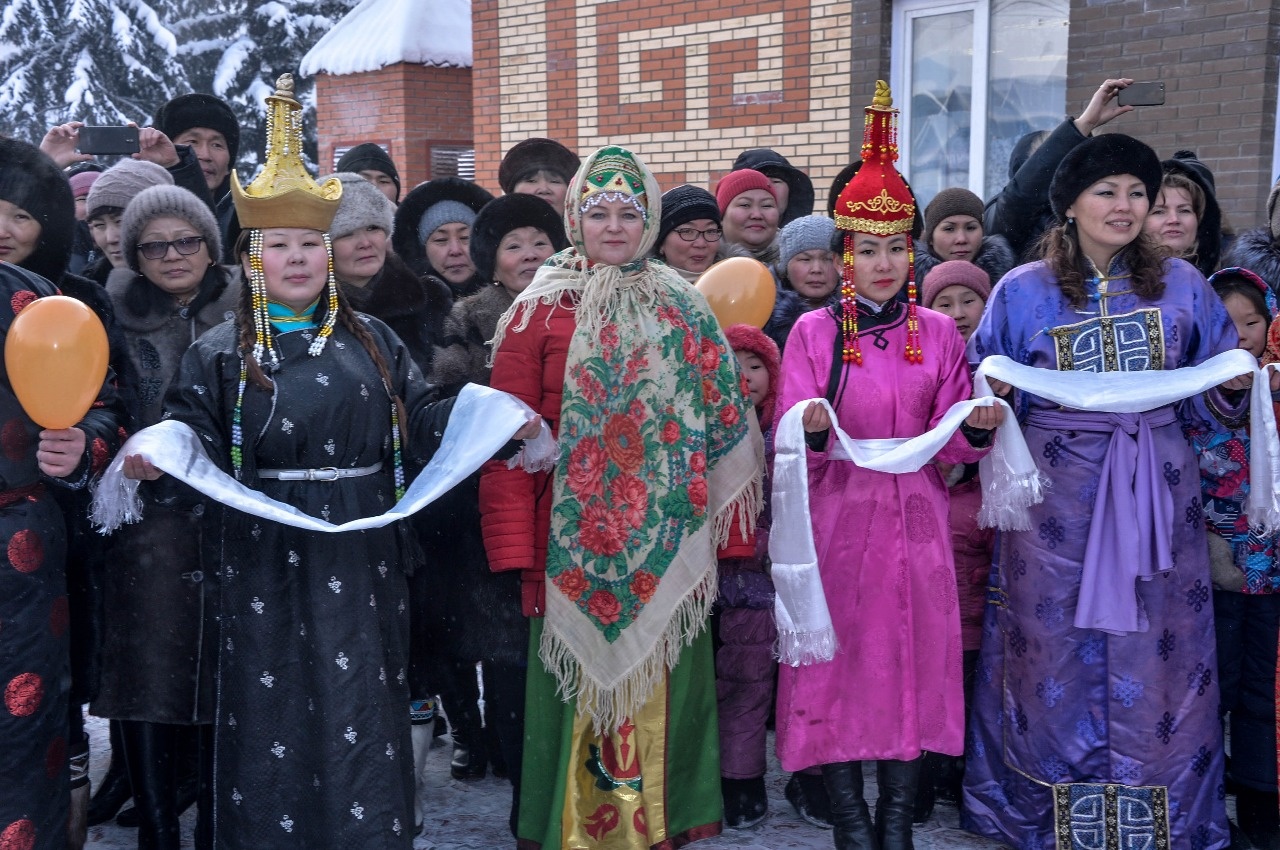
877 201
752 339
736 182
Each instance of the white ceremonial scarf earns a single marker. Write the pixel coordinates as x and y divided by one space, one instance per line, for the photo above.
1011 482
481 422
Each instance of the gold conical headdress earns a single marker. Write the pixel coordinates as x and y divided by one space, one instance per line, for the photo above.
283 194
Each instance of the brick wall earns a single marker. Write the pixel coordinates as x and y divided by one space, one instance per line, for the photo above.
688 88
1218 61
407 108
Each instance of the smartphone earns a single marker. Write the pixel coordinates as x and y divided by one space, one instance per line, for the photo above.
1142 94
108 140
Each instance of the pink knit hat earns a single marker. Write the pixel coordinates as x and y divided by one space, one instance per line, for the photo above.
736 182
955 273
82 182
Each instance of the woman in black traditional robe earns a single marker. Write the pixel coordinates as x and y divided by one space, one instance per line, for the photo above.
308 402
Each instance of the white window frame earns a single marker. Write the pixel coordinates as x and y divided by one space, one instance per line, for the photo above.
904 13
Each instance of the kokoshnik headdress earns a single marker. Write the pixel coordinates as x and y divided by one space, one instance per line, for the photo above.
877 200
284 195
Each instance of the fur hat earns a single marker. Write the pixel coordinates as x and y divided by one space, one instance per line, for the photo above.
158 201
1102 156
770 163
735 183
949 202
200 110
752 339
505 214
808 233
122 182
533 155
954 273
418 202
362 205
369 157
30 180
1209 228
684 204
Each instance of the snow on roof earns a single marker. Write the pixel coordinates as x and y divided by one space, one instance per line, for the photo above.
377 33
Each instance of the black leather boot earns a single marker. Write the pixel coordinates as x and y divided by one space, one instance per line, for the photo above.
850 817
114 790
151 752
894 810
807 794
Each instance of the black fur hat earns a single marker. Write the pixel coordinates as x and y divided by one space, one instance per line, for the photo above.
200 110
31 180
415 205
533 155
505 214
1102 156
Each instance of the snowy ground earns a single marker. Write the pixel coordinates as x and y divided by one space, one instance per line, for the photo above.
472 815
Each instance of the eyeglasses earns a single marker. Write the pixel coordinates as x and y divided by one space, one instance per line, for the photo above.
186 246
690 234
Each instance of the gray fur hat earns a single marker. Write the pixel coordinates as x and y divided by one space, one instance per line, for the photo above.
160 201
362 205
121 183
806 233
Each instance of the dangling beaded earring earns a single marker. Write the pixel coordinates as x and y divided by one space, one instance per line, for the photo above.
262 342
915 354
849 306
326 330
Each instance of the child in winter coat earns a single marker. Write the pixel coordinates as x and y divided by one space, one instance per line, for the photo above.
1246 578
745 631
959 289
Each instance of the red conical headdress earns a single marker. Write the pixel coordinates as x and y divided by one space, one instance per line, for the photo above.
878 201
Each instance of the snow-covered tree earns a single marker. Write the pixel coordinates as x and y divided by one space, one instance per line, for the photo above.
97 61
236 49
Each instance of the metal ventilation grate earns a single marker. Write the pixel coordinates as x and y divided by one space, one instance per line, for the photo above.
453 161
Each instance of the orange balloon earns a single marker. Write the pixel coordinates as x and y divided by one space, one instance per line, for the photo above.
740 291
56 357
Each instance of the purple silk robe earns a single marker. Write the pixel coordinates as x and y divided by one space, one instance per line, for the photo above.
1057 705
884 552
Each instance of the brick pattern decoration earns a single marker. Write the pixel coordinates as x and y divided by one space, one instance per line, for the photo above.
1219 63
405 107
688 85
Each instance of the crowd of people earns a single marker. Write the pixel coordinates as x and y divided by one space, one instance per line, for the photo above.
710 555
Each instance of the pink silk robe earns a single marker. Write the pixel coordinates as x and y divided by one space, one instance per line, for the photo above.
884 551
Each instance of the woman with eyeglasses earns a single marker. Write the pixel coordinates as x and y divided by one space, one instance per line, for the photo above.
157 659
689 238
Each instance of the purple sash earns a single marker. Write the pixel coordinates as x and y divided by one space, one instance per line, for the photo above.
1130 534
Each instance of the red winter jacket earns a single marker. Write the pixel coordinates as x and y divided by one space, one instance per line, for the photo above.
515 506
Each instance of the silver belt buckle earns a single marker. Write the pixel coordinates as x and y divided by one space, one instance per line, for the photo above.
324 473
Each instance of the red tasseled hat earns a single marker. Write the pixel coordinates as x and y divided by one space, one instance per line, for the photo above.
750 338
878 201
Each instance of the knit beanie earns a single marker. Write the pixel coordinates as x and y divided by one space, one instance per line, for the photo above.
533 155
812 232
445 212
736 182
772 164
29 179
81 182
752 339
684 204
955 273
369 157
505 214
949 202
200 110
122 182
362 205
158 201
1102 156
